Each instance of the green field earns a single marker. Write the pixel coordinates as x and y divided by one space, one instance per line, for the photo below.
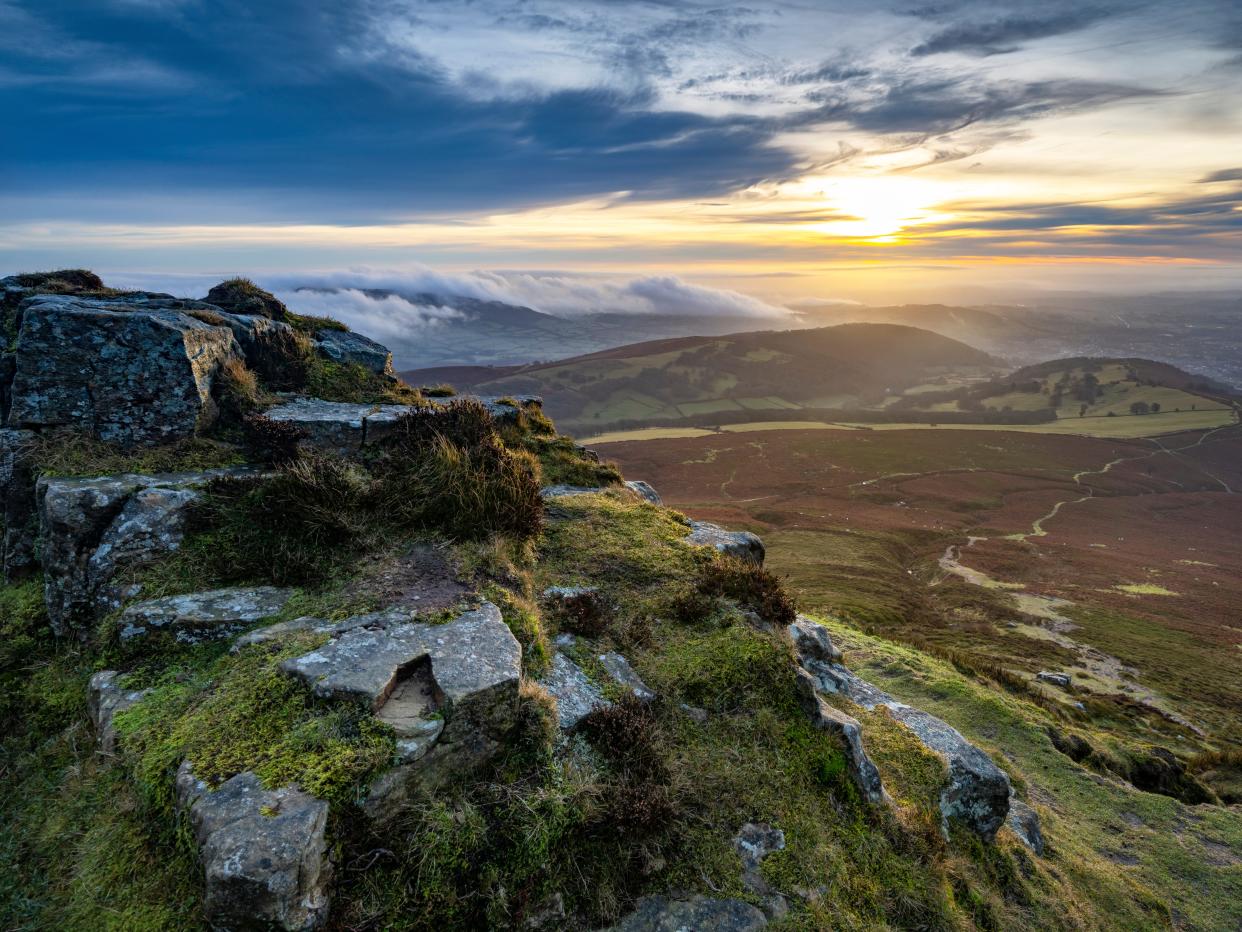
1123 427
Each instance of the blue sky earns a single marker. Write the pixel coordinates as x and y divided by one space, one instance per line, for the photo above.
718 141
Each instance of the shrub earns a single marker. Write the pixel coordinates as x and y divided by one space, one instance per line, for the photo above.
64 280
242 296
312 324
751 587
236 390
639 798
446 469
283 359
580 612
443 390
274 442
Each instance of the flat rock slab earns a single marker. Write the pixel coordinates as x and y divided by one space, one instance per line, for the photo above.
623 674
576 696
977 792
264 852
129 374
105 699
198 616
697 914
91 529
741 544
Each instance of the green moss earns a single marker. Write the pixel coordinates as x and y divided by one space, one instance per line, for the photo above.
241 712
354 382
309 323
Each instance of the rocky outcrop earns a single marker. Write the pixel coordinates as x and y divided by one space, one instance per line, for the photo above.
129 374
465 672
1023 821
661 914
17 503
241 296
91 529
347 427
105 697
812 641
741 544
861 769
576 696
644 490
1060 680
977 792
343 346
200 616
264 853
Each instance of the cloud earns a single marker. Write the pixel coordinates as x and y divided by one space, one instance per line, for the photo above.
383 317
1227 174
998 36
558 293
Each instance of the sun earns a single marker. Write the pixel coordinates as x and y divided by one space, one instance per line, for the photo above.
878 207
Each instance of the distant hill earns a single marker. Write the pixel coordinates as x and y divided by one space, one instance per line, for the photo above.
657 381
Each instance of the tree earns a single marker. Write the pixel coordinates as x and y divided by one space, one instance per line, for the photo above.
1155 407
1139 407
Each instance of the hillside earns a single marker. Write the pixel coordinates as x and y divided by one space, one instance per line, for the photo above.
852 365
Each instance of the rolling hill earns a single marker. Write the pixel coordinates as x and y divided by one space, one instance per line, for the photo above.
847 366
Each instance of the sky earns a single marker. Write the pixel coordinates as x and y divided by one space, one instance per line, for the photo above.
775 151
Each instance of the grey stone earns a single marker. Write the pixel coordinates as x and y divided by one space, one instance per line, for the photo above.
17 503
697 714
1061 680
697 914
977 791
417 738
1023 821
846 728
343 346
334 425
753 843
741 544
199 616
568 491
91 529
576 696
644 490
280 631
466 671
105 698
620 670
812 641
251 331
141 375
264 852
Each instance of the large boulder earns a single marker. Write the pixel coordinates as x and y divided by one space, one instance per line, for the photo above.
200 616
465 672
977 792
92 529
17 503
344 346
741 544
265 855
129 374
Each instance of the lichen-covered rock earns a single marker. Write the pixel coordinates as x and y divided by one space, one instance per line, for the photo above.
644 490
333 425
576 696
199 616
466 671
343 346
812 641
1061 680
1023 821
846 728
105 698
697 914
264 853
17 503
741 544
977 791
567 491
753 843
623 674
91 529
129 375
